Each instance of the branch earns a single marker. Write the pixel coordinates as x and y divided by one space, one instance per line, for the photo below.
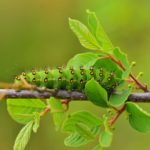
62 94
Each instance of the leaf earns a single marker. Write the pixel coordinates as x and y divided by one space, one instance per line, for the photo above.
118 99
57 111
105 138
36 121
23 137
97 147
122 57
85 37
22 110
138 118
76 139
99 32
84 131
96 93
84 117
83 127
84 59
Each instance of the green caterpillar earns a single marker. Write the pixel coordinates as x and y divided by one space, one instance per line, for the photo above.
69 78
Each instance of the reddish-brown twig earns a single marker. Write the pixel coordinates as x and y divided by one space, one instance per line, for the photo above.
118 62
46 110
66 103
113 120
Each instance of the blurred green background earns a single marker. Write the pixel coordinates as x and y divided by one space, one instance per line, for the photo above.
35 33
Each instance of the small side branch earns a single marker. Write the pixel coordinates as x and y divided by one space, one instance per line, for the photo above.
63 94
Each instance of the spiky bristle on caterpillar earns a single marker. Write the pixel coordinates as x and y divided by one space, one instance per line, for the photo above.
72 78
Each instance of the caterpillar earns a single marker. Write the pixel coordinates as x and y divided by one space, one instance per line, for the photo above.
73 78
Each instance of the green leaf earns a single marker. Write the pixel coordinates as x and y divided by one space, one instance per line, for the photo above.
97 147
105 138
75 140
125 74
83 117
85 37
122 57
99 32
23 137
83 130
118 99
57 111
84 59
36 121
96 93
138 118
22 110
83 127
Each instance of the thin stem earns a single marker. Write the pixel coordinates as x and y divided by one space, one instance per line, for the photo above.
140 85
114 119
46 110
66 103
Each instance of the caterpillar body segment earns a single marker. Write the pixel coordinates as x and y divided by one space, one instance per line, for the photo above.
73 78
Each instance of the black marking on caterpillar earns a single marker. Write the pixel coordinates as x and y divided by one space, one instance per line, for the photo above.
33 72
17 78
45 79
70 78
46 70
23 73
34 80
